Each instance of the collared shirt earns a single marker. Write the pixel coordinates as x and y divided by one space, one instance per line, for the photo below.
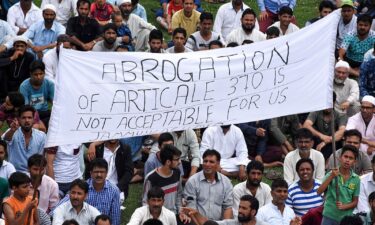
347 189
187 143
6 32
210 199
18 153
85 33
17 19
6 169
190 24
345 29
238 35
271 214
140 11
367 186
355 48
275 5
263 194
65 9
66 211
142 214
48 194
291 28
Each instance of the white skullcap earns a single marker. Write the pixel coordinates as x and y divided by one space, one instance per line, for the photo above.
342 64
369 98
20 38
120 2
49 6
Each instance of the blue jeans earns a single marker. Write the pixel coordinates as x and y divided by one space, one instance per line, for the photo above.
329 221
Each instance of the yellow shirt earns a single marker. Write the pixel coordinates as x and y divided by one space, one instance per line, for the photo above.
190 24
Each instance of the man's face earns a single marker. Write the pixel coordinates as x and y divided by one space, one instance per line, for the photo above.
341 73
175 162
98 175
367 110
206 26
353 140
83 10
49 16
2 153
279 195
248 23
347 13
166 143
155 45
20 46
155 205
305 144
179 40
363 28
325 12
35 171
245 213
210 164
26 121
110 36
254 177
305 172
347 159
8 105
285 19
77 196
23 190
37 77
126 8
188 6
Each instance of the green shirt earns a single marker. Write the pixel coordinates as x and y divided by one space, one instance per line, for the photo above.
347 191
4 188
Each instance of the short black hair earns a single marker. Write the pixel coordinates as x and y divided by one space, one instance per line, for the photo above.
206 16
350 148
371 196
304 133
98 163
164 137
155 192
155 34
168 152
285 10
210 222
215 42
210 152
81 184
16 99
254 165
305 160
70 222
232 45
351 220
279 183
36 160
109 26
326 4
153 222
366 18
17 179
273 31
26 108
248 11
254 203
179 30
63 38
81 2
37 64
102 217
352 132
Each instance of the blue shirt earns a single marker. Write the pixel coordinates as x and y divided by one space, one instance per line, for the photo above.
5 31
275 5
38 97
355 48
140 11
367 78
41 36
18 153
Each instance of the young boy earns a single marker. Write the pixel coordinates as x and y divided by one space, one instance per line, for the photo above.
18 206
348 185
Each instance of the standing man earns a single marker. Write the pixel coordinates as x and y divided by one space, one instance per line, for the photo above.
269 11
187 18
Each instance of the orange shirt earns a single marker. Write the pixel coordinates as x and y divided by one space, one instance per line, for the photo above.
18 207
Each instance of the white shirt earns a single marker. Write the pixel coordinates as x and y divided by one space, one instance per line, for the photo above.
110 157
263 195
136 24
344 29
17 19
270 214
238 35
290 173
141 214
65 211
366 188
197 43
50 61
227 19
48 194
65 9
7 169
291 28
66 164
171 50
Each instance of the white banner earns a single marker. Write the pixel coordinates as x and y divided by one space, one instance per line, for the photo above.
103 96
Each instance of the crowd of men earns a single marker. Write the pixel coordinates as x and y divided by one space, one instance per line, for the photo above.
187 175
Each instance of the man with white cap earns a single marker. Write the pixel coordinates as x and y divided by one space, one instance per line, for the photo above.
364 122
65 9
139 28
346 89
43 34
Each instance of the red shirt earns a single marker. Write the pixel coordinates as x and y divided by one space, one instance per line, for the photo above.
172 8
313 216
101 13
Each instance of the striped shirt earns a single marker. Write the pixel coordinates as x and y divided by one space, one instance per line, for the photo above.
301 201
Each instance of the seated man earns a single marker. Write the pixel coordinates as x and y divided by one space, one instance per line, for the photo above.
101 11
187 18
6 168
109 42
6 32
209 191
139 10
179 40
302 194
284 24
366 216
362 165
155 42
347 23
22 15
38 91
230 143
366 189
325 8
153 209
283 130
305 142
366 78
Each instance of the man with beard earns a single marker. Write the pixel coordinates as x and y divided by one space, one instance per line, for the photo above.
284 24
153 210
247 210
354 46
209 191
139 28
228 18
199 40
155 41
246 31
346 89
76 208
187 18
43 34
252 186
23 140
364 122
305 142
84 31
109 42
302 194
38 91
